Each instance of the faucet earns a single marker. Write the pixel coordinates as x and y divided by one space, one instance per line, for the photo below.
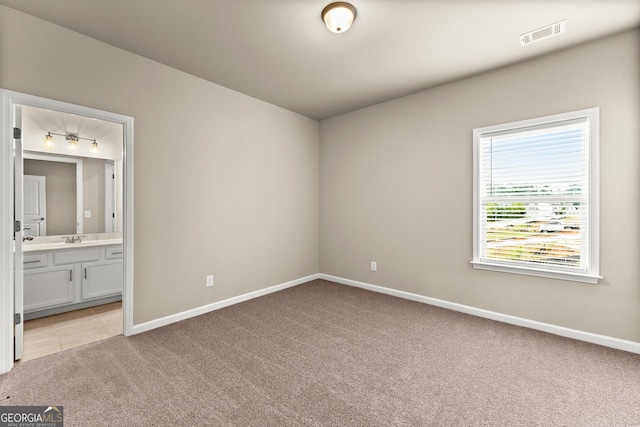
73 239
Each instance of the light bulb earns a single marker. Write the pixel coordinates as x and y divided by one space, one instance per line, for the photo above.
72 145
48 142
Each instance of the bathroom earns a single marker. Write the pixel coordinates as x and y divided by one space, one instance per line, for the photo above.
72 210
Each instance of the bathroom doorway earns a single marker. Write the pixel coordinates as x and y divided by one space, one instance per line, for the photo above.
81 276
71 188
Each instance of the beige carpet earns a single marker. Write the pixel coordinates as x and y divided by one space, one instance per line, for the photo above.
323 354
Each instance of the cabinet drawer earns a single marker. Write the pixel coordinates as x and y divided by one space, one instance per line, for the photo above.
34 261
70 257
113 252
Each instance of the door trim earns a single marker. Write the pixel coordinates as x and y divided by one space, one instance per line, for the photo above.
18 254
10 99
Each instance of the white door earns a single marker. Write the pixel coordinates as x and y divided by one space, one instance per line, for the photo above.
18 279
35 205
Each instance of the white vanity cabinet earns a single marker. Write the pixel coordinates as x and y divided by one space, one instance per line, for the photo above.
61 280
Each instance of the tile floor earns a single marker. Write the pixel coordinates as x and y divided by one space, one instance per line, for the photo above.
51 334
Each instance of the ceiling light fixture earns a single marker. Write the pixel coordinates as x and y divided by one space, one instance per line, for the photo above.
339 16
72 142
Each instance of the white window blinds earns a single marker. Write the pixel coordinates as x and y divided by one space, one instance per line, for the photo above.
533 196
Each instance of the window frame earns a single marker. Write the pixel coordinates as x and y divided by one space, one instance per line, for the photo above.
592 274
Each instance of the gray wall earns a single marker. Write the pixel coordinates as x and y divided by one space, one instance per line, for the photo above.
224 184
396 188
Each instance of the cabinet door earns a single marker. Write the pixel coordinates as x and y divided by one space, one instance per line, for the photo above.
101 279
48 287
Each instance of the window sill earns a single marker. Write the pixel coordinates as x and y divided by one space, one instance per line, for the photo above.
552 274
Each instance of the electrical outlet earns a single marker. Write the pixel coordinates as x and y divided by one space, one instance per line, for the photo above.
210 280
374 266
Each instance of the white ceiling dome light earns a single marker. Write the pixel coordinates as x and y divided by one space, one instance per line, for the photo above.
339 16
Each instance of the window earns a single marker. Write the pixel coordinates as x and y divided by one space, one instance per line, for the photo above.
536 196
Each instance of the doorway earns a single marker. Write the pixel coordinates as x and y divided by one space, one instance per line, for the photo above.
11 291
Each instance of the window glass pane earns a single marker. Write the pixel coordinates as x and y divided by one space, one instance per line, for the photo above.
552 161
542 233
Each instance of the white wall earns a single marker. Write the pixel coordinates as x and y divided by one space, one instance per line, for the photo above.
224 184
396 188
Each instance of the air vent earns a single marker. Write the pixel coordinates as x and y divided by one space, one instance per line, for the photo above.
543 33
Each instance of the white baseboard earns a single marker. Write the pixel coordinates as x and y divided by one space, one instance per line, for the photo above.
620 344
630 346
163 321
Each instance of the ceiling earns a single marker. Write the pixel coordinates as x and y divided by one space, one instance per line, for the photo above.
281 52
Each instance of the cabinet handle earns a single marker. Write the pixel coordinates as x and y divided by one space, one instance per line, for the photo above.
85 274
31 262
71 275
116 253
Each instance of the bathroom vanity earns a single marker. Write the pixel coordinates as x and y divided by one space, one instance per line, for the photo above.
60 277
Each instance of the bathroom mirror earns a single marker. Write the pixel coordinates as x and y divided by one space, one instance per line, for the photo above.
71 190
71 195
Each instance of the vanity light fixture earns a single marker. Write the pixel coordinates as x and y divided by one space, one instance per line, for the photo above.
73 142
339 16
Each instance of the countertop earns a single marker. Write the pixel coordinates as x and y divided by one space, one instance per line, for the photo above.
61 245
